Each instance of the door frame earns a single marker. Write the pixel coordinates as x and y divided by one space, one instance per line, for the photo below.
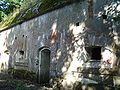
39 58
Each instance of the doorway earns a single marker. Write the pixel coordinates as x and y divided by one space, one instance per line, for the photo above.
44 66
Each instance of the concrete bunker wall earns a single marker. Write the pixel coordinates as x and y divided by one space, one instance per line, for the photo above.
66 32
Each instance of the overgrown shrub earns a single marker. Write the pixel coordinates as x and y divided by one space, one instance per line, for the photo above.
22 74
30 9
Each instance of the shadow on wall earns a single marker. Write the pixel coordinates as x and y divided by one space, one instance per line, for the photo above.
67 47
12 49
71 54
75 58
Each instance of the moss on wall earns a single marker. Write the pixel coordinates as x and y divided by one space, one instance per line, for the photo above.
31 9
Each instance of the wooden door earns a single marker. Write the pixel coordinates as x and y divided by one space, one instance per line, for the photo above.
44 66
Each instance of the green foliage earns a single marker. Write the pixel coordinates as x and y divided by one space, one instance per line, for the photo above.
7 7
20 86
22 74
117 18
2 15
27 9
49 3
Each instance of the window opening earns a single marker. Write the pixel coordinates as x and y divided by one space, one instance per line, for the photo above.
94 52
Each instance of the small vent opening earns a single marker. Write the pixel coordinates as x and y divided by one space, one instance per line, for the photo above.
77 24
21 52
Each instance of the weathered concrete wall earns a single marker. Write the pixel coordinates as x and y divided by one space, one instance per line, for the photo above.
66 32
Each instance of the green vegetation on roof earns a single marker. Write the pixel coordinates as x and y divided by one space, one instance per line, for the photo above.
30 9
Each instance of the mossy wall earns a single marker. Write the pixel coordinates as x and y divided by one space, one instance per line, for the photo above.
31 9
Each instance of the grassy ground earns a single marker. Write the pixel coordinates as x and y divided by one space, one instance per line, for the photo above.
7 82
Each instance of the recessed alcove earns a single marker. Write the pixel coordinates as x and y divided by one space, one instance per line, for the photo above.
94 52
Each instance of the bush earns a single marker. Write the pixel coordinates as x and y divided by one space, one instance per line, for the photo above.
22 74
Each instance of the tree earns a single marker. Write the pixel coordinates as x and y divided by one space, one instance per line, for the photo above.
7 6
